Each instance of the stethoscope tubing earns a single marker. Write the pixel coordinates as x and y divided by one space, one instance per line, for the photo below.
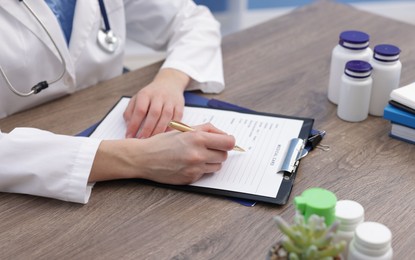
104 15
44 84
106 39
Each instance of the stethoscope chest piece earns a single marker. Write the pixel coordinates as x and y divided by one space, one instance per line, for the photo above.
108 41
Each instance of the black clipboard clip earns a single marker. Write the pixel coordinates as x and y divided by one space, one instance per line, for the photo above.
295 152
314 140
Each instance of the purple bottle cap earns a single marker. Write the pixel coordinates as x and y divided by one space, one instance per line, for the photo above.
386 52
358 69
355 40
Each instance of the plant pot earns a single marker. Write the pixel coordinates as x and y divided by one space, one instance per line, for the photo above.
277 252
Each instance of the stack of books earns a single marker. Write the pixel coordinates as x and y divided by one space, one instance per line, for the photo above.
401 112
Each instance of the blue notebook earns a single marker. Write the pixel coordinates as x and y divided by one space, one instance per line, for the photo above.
399 116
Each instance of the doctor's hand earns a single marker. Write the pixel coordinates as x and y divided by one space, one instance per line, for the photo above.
154 106
172 157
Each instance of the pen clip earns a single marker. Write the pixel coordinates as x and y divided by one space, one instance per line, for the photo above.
292 159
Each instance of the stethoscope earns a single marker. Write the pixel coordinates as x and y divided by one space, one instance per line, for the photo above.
106 39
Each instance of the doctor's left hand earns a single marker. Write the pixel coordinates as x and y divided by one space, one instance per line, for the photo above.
154 106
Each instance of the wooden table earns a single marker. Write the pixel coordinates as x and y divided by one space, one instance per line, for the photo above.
281 66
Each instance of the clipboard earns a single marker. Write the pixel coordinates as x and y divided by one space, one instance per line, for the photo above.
288 170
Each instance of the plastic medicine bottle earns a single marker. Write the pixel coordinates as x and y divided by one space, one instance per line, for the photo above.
355 88
353 45
350 214
372 241
386 74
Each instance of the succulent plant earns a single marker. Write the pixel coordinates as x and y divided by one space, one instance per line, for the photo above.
308 240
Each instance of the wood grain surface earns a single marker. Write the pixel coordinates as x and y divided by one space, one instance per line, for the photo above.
281 66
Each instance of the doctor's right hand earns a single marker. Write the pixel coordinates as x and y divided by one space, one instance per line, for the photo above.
172 157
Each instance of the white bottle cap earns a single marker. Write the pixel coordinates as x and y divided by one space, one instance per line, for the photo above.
350 213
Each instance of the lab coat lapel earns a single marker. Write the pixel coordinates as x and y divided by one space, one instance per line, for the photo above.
17 10
87 14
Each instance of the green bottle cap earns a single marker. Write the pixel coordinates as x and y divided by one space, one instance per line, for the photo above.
317 201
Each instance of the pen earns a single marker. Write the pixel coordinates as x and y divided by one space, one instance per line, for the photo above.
185 128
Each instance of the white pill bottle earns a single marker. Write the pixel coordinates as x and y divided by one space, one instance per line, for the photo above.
355 89
349 214
386 74
353 45
372 241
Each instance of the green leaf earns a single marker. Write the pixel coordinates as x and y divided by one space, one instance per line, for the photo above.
290 247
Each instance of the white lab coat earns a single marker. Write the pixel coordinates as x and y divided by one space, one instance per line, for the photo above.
45 164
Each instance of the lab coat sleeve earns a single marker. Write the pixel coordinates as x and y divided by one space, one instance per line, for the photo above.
189 34
41 163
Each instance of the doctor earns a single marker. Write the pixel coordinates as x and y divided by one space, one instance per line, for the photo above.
60 47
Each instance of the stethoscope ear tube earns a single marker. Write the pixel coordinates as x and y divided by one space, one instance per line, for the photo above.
35 89
43 84
107 40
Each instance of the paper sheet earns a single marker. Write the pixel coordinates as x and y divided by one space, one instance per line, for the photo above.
265 139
